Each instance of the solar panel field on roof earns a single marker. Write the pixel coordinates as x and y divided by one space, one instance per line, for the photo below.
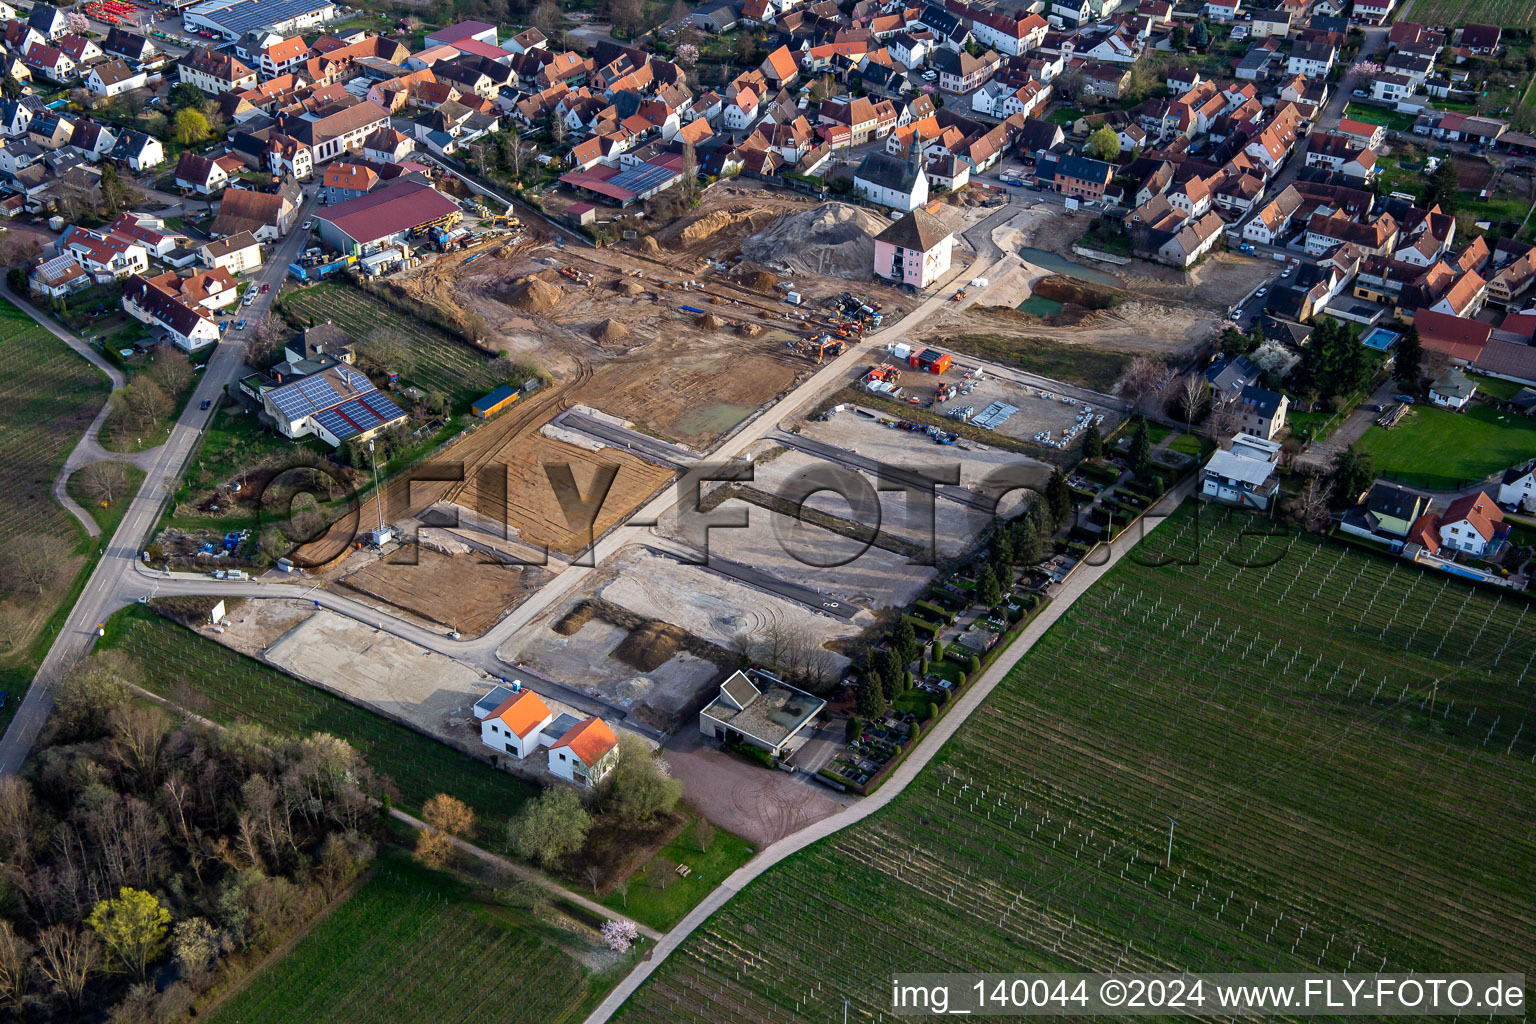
383 407
641 178
360 414
333 423
239 16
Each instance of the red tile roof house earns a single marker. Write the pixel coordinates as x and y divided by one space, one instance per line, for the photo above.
1472 525
1461 339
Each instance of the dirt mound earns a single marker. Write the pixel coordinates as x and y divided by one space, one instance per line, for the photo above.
707 227
574 619
835 239
650 646
610 331
534 294
628 286
1071 291
649 245
710 322
750 330
760 280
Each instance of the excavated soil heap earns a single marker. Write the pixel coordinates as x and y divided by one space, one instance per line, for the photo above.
835 239
650 646
710 322
609 332
534 294
628 286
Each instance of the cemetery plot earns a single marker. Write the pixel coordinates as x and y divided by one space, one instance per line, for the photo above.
1329 729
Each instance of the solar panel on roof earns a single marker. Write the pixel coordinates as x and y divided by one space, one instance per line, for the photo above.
290 402
335 425
383 407
641 178
360 414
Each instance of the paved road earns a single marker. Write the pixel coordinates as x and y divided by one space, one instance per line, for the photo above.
108 588
643 445
1074 588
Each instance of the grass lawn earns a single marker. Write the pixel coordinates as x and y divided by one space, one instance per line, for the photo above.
663 908
1441 450
1379 115
107 514
1311 424
1065 116
1287 699
1504 13
218 683
1190 444
1495 387
417 945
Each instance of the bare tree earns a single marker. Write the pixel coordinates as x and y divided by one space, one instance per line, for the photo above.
138 734
1144 378
1313 503
14 623
1192 397
386 349
68 959
1225 416
30 561
270 334
104 482
15 968
173 370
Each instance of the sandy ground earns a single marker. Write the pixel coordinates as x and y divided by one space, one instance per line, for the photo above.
414 579
392 674
955 526
584 660
759 805
979 464
798 552
255 625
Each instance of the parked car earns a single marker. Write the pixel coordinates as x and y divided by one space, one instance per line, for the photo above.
1405 399
240 325
306 225
1261 292
265 288
206 403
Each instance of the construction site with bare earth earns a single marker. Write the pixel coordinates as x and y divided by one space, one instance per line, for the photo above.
666 350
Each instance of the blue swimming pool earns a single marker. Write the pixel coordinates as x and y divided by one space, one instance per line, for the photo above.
1380 339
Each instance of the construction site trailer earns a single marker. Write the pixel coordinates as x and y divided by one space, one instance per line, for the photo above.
930 359
496 401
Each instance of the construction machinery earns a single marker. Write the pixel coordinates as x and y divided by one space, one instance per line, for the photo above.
821 346
502 220
437 224
959 294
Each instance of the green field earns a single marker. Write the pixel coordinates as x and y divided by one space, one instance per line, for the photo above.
443 363
1442 450
48 396
1379 115
416 945
663 908
1338 736
1097 370
1504 13
228 687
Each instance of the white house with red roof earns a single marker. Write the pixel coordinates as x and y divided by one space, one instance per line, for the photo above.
1472 524
515 720
584 753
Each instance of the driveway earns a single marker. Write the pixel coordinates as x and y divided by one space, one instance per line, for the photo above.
759 804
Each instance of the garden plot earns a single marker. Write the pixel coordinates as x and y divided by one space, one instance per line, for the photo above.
865 436
956 527
466 591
